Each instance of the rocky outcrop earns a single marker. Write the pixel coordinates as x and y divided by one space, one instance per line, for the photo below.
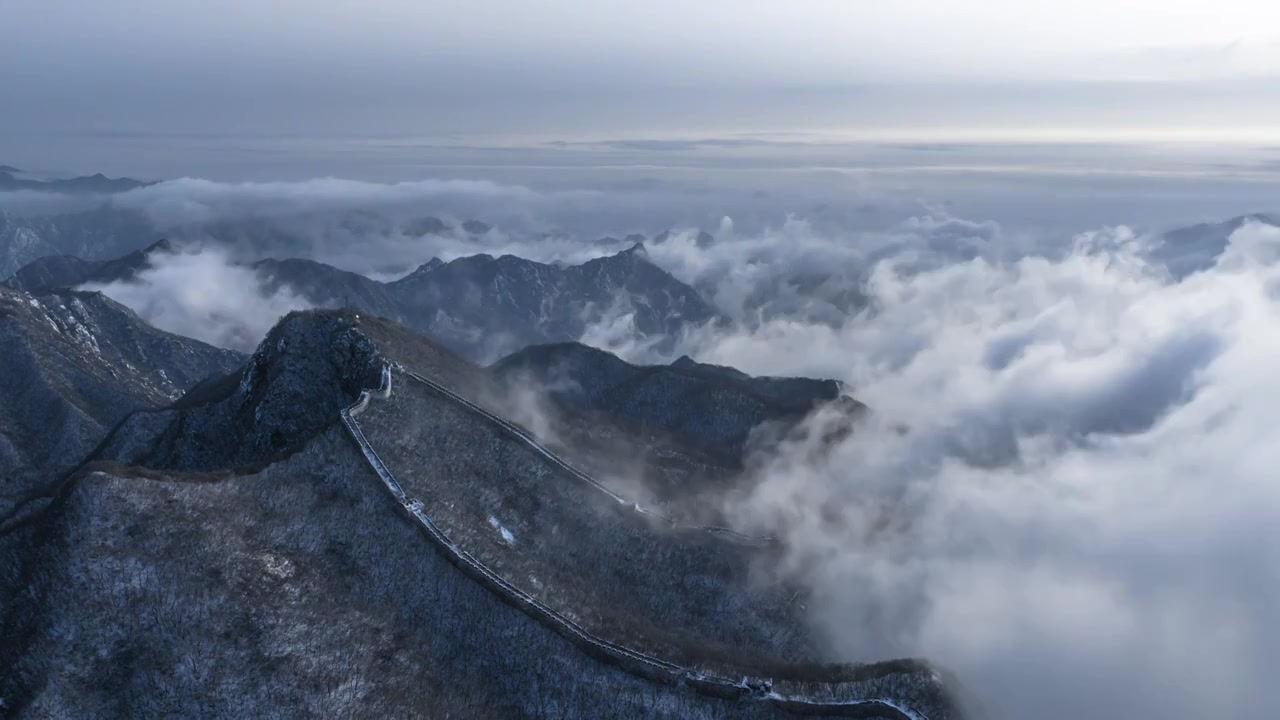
308 367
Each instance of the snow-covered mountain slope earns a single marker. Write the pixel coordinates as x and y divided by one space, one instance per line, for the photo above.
479 306
99 234
243 553
74 364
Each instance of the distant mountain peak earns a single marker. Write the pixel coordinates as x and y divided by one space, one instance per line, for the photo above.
161 245
426 267
478 305
1186 250
89 184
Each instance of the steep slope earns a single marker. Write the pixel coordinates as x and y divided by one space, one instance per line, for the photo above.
669 602
67 271
712 406
307 368
221 422
292 592
327 286
75 364
283 582
99 234
655 465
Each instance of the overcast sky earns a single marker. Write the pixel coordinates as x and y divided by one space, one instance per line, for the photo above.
1207 69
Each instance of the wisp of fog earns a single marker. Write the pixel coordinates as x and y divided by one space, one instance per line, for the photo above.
203 294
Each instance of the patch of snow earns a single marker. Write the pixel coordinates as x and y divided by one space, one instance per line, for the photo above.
278 567
507 537
887 702
246 377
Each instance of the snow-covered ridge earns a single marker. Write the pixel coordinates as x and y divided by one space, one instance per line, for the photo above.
532 443
840 698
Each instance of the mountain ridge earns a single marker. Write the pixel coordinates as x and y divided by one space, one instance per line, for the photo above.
480 305
278 539
85 184
76 363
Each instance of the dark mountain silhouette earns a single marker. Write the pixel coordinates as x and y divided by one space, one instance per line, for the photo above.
480 306
1187 250
88 184
66 271
712 406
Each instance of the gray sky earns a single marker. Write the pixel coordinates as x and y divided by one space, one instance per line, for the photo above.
565 69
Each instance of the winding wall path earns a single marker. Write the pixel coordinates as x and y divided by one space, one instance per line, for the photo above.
745 687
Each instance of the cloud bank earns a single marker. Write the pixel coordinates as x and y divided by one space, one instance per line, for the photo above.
206 296
1066 492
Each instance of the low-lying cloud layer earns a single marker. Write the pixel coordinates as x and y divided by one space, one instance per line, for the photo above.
205 296
1080 515
1066 490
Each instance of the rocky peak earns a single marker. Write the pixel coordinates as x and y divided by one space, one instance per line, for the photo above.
308 367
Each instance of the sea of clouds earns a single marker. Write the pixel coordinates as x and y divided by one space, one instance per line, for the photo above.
1065 492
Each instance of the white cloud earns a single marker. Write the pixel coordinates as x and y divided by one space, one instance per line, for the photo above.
205 296
1081 518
